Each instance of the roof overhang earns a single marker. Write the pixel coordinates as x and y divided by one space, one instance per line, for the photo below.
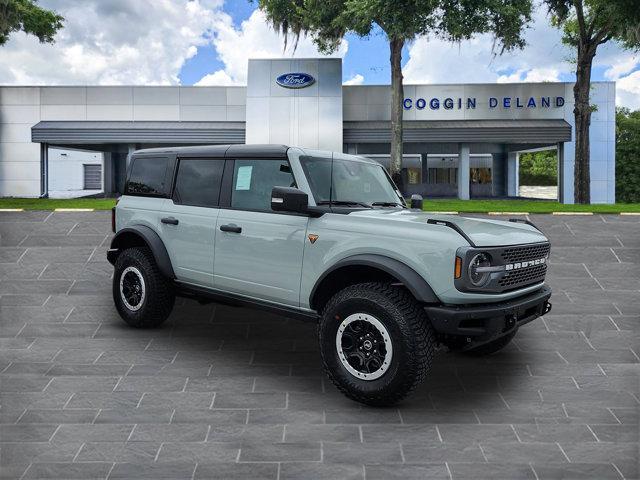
72 133
449 131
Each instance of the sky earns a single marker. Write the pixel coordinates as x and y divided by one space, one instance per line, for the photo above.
208 42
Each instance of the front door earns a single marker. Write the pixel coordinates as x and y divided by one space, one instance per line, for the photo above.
258 252
190 216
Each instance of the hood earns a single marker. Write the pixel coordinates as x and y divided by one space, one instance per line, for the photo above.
483 232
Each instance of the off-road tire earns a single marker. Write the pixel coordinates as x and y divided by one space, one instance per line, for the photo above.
159 294
411 334
493 346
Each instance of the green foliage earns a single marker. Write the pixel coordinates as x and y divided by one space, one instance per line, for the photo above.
539 168
327 21
27 16
627 155
597 21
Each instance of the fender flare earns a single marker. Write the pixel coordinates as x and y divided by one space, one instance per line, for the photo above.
414 282
153 241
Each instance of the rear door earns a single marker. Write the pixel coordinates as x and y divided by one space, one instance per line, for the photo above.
258 252
188 224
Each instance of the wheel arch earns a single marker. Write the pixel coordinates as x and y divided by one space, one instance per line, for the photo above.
142 236
366 268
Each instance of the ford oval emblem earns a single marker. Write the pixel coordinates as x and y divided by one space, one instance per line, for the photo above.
295 80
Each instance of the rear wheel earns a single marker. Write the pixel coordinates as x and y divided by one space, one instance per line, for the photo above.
376 343
143 297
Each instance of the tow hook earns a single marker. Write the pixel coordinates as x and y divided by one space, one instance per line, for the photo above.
510 322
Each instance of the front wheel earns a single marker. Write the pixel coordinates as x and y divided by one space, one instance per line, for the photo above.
143 297
376 343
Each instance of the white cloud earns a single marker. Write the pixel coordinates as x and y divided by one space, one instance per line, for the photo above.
544 59
253 39
628 91
432 60
357 79
114 42
531 75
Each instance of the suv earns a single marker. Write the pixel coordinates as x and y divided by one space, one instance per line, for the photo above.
325 237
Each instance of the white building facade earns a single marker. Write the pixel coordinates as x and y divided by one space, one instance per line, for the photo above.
460 139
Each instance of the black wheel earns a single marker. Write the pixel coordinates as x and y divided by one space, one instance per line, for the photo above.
493 346
143 297
376 343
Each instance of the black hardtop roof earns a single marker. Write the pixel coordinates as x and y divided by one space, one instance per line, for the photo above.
235 151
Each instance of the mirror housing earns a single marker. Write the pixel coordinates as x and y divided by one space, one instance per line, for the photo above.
289 199
416 201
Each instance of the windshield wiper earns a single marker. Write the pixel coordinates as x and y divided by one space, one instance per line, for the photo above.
388 204
344 202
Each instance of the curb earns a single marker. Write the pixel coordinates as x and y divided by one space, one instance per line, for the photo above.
508 213
74 210
630 214
11 209
441 213
571 213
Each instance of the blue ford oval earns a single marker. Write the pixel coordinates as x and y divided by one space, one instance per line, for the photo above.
295 80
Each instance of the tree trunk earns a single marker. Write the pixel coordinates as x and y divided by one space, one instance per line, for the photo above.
397 97
582 114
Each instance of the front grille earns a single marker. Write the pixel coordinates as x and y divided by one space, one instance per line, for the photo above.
524 276
523 254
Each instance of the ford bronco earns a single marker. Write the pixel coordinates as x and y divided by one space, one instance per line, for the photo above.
326 237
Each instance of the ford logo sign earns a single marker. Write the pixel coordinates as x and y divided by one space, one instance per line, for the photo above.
295 80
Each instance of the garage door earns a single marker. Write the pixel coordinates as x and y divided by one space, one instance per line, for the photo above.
93 177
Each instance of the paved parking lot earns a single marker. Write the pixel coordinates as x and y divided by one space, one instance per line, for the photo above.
231 393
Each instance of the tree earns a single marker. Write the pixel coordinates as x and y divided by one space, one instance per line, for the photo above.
28 17
587 24
627 156
327 21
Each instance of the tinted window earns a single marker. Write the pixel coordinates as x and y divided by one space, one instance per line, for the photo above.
253 181
147 176
198 182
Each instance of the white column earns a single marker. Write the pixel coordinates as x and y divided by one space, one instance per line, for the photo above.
463 171
131 148
513 167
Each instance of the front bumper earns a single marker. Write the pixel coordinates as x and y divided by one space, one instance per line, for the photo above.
478 324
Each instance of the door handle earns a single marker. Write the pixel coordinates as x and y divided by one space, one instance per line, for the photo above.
170 221
231 228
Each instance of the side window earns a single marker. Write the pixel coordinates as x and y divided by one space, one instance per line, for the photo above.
253 181
147 176
198 182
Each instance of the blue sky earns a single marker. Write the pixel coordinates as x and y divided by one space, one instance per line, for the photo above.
208 42
365 56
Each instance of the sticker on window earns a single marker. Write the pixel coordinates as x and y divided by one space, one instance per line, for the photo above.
243 177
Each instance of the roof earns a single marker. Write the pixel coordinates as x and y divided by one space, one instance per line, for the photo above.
90 132
236 151
500 131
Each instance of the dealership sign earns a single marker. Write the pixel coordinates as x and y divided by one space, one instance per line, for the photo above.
469 103
295 80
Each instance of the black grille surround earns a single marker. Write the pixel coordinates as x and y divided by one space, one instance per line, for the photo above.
517 272
529 252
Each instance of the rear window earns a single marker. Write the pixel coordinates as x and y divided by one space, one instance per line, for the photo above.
198 182
147 176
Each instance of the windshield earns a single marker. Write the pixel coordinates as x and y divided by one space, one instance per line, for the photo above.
349 181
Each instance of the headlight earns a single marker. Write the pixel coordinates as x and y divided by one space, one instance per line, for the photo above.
477 276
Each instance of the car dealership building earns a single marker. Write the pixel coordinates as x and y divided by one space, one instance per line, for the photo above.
460 140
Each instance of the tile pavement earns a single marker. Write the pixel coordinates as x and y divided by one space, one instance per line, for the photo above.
231 393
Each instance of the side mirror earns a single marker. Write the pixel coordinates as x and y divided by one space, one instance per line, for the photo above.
416 201
289 199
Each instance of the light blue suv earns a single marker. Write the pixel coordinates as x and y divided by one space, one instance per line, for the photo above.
325 237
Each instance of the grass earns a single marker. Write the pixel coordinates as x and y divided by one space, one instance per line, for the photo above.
439 205
529 206
52 204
